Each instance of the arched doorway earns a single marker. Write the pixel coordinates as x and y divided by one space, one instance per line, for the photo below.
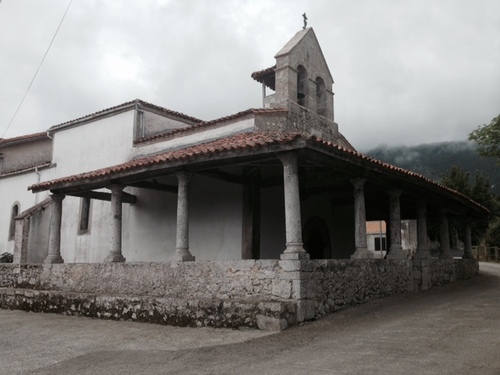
316 238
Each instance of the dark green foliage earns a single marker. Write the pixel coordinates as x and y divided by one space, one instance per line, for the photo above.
487 138
480 191
453 164
6 258
434 160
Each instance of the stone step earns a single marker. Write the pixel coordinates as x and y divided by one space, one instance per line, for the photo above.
189 312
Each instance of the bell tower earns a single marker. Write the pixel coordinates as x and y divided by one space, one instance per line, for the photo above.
301 77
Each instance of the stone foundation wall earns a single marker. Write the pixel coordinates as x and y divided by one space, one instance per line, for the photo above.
466 268
268 294
442 271
325 286
202 279
191 312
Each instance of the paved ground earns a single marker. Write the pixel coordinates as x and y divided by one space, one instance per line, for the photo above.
453 329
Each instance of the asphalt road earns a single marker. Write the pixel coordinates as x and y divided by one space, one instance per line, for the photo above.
452 329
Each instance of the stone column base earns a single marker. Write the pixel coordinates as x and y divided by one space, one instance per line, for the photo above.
396 253
295 251
53 259
445 255
183 255
422 254
114 258
362 253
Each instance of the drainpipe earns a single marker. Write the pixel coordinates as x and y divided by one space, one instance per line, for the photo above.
38 179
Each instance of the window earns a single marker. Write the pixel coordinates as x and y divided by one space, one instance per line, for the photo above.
320 96
13 213
377 244
301 86
84 215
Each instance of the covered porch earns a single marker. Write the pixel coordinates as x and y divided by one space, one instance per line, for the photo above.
296 198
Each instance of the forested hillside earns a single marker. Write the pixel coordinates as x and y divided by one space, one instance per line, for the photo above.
433 160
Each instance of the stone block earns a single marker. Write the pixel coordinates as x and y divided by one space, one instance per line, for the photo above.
282 288
266 323
305 310
292 275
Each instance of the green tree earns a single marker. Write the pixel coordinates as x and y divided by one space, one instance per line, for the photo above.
479 191
487 138
457 179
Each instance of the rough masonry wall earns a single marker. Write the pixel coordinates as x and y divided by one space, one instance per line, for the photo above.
268 294
325 286
202 279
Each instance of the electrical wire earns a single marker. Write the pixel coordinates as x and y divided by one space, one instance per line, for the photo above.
38 69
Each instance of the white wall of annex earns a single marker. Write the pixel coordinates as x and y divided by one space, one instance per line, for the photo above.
94 145
149 225
15 189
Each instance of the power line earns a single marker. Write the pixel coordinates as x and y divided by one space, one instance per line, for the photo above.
39 66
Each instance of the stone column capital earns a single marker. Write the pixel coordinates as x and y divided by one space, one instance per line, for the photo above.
394 193
184 176
57 197
116 188
358 183
289 158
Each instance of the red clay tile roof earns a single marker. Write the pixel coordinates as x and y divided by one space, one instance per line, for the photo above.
239 115
258 75
266 76
236 142
125 106
23 138
389 167
253 141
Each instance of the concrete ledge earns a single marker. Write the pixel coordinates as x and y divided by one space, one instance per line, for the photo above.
265 315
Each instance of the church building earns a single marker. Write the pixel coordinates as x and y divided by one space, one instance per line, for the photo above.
255 219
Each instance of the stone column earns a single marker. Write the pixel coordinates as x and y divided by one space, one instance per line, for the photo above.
468 242
22 230
360 221
395 248
422 242
54 255
182 235
115 245
444 234
293 225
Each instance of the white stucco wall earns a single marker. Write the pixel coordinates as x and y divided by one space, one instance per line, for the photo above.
198 137
152 123
93 145
149 226
15 189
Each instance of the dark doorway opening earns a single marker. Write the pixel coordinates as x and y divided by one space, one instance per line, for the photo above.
316 238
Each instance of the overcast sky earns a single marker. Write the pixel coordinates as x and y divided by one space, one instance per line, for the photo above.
406 72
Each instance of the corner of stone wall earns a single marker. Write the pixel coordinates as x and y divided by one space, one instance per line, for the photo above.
466 268
293 283
422 274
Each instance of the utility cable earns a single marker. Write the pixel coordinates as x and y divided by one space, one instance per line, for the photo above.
39 66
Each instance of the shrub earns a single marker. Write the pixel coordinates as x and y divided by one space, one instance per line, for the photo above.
6 258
